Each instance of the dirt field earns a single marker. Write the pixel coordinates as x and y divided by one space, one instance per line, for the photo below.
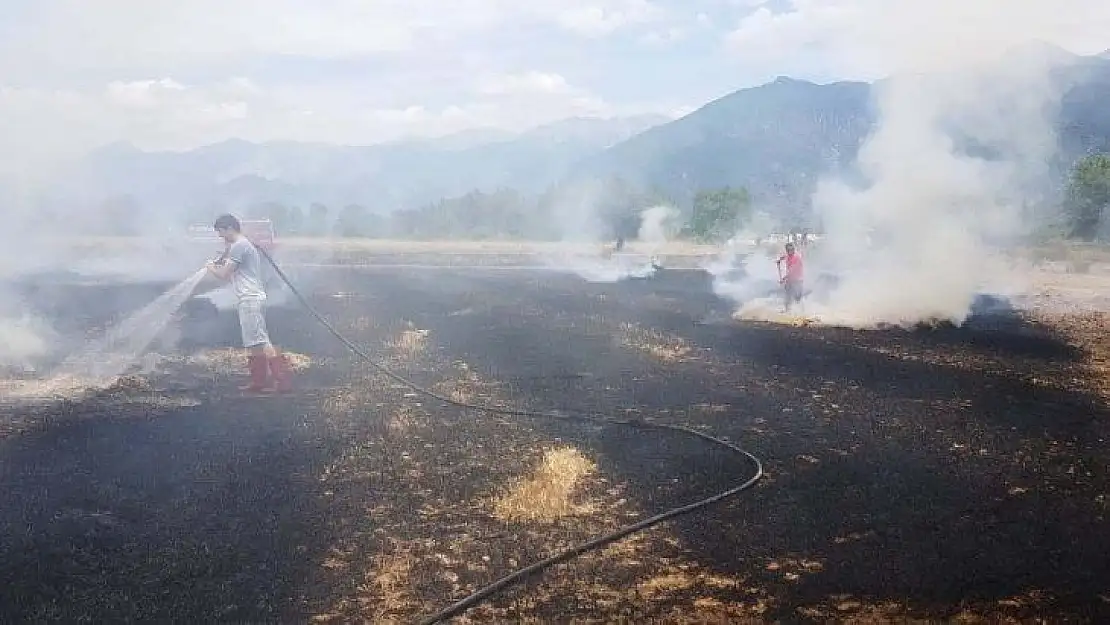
949 474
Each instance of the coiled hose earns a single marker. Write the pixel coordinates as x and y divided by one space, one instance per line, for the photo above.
488 591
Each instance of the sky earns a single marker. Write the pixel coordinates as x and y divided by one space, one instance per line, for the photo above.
173 74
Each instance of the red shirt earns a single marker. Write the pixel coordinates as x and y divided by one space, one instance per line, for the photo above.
794 270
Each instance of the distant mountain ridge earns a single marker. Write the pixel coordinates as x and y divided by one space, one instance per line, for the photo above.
770 139
777 140
388 176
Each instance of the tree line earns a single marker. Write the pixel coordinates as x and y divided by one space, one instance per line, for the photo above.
608 208
1088 198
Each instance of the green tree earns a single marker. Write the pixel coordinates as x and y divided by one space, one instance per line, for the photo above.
499 214
1088 195
316 224
294 221
717 214
354 220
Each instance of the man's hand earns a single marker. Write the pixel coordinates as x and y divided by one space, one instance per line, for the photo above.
217 269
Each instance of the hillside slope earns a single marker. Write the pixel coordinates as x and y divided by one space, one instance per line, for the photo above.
778 139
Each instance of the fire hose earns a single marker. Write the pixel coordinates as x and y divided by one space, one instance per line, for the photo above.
486 592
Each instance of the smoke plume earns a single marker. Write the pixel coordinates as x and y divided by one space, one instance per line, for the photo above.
963 139
601 262
934 216
23 337
657 226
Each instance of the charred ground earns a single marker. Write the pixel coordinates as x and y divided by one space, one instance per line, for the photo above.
926 474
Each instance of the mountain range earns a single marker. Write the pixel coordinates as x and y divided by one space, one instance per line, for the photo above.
776 140
387 176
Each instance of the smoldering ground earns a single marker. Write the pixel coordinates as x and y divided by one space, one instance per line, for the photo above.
870 438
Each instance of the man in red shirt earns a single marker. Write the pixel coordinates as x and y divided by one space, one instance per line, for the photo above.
792 279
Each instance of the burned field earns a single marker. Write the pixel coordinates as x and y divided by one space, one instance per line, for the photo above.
926 475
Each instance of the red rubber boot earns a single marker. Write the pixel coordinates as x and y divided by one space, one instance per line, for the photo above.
282 372
260 382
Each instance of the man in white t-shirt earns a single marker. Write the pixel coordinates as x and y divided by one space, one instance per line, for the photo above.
242 266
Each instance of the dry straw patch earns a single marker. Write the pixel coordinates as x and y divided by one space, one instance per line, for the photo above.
467 387
375 398
160 401
365 389
361 324
401 421
55 387
343 400
390 582
547 494
386 595
668 349
409 344
230 360
1025 608
73 387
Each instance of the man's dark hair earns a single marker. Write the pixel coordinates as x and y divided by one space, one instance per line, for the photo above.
229 222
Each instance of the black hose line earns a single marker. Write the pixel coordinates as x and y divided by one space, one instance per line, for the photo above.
486 592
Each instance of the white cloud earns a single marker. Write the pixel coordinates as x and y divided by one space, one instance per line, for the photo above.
170 74
869 38
525 84
664 37
151 35
144 34
599 18
42 123
142 94
166 113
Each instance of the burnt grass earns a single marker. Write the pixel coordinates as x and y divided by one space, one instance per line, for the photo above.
932 474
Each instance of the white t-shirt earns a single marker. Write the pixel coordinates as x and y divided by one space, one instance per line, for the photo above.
246 279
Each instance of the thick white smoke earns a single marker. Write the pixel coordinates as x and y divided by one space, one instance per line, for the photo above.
964 133
657 226
927 234
745 271
23 337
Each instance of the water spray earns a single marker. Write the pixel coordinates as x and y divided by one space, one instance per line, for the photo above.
111 354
